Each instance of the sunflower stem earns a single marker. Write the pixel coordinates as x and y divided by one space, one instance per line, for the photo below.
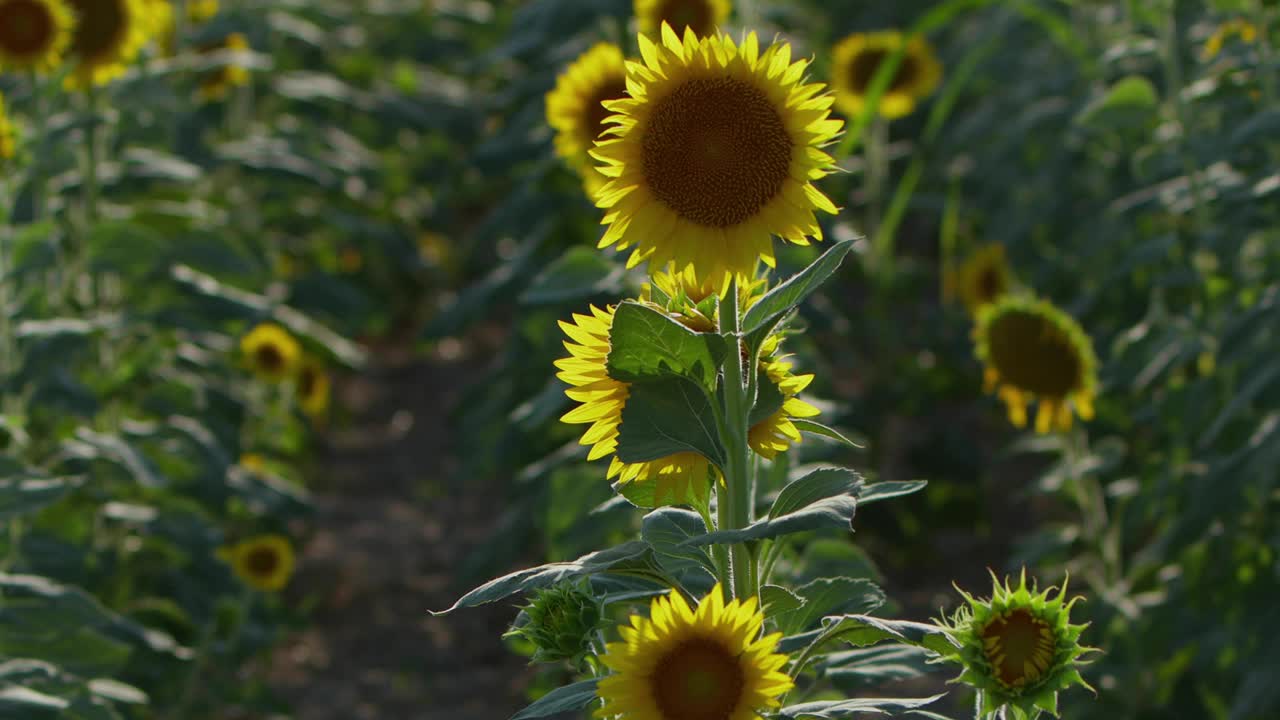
735 501
875 176
36 178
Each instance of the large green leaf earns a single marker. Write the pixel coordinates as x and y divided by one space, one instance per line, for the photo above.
646 344
23 496
835 709
561 700
862 630
875 492
826 596
665 417
819 484
832 513
791 293
667 529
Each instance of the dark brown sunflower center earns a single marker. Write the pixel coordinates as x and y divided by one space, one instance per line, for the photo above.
866 63
990 284
716 151
26 27
693 14
100 27
262 561
1019 647
698 680
269 358
596 112
1032 354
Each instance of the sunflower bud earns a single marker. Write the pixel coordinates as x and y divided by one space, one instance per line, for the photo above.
560 622
1017 648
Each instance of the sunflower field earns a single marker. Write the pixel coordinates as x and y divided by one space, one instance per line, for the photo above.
639 359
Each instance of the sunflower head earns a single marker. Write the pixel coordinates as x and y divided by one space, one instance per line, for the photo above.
1236 27
574 108
108 35
1018 647
264 562
1033 351
983 277
271 352
7 147
713 154
561 621
218 82
161 24
703 17
34 34
857 58
682 663
313 387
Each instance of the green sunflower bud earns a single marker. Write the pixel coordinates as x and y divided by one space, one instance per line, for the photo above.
1018 648
560 622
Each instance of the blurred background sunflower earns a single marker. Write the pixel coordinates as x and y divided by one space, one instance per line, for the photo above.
107 38
34 34
856 59
703 17
575 110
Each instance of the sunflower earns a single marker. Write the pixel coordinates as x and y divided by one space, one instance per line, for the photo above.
264 563
1237 27
777 433
703 17
686 664
108 36
574 108
218 82
199 11
313 388
857 58
983 277
676 478
271 352
713 154
161 24
34 34
6 134
1034 351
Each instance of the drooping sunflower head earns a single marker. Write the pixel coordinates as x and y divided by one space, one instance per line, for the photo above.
215 84
7 145
983 277
575 110
680 663
264 563
313 387
713 154
1031 350
1018 646
271 352
857 58
108 35
776 432
703 17
34 34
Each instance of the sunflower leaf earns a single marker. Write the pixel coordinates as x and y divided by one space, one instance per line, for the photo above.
668 416
864 630
666 529
827 513
25 495
648 345
799 286
816 428
819 484
835 709
825 596
561 700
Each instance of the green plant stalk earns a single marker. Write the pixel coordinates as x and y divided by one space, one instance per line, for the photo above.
92 157
1173 83
36 179
875 174
734 498
1267 76
719 553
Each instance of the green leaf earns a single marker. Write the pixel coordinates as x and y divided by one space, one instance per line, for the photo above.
828 513
665 417
667 529
20 699
876 492
819 484
582 272
769 399
853 671
834 709
816 428
20 497
1130 101
648 345
862 630
549 574
776 600
117 691
561 700
791 293
827 596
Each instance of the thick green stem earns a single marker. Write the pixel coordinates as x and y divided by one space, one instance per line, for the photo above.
735 501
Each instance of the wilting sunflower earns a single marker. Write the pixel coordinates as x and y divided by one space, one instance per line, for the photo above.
271 352
713 154
857 58
703 17
777 433
686 664
6 134
34 34
216 83
1034 351
1018 647
108 35
574 107
313 388
983 277
264 563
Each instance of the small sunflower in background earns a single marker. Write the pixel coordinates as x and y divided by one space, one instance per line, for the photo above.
254 463
1243 29
1033 351
1018 647
982 278
34 34
703 17
161 29
777 433
271 352
108 35
313 387
687 664
7 146
263 563
714 153
215 84
857 58
574 108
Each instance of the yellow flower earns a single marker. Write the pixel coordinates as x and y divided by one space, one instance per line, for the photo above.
254 463
1245 30
160 16
713 154
983 277
857 58
1034 351
199 11
271 352
686 664
216 83
6 134
574 107
777 433
264 563
313 388
34 34
108 36
703 17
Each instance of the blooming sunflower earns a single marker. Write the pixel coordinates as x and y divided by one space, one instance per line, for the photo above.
6 134
703 17
1034 351
34 34
108 36
713 154
313 388
983 277
161 24
777 433
264 563
271 352
218 82
574 108
1018 647
686 664
857 58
